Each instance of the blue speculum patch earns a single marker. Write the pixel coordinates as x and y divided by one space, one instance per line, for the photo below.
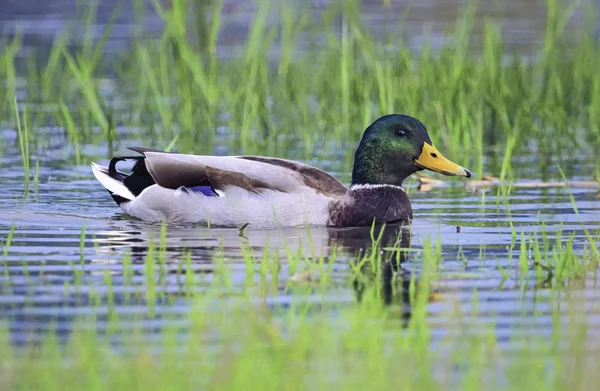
205 190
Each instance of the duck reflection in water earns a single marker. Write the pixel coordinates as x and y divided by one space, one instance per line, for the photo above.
387 244
389 247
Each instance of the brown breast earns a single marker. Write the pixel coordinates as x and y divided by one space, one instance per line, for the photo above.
365 203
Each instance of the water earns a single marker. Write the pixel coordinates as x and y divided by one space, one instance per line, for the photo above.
47 256
522 22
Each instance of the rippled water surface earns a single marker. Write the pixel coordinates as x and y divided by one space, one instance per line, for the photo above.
47 256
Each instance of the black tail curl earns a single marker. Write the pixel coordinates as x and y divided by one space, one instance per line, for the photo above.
136 181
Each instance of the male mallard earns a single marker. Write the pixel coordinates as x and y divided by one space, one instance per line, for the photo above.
266 191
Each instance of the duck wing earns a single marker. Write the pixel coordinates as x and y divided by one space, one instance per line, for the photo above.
252 173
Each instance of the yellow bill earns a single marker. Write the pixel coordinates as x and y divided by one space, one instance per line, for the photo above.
431 159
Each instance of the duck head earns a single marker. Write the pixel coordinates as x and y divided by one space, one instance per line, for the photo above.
396 146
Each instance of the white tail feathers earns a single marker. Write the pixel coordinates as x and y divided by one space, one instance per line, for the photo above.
111 184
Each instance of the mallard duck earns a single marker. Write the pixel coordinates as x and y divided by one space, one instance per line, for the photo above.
267 191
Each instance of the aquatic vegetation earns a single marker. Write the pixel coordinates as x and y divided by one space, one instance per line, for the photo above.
23 131
236 335
154 307
173 92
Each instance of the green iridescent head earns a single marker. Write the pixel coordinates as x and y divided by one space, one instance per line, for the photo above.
394 147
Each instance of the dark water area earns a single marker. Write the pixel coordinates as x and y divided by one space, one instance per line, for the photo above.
522 23
50 274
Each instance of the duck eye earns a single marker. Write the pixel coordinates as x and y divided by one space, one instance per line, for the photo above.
400 132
